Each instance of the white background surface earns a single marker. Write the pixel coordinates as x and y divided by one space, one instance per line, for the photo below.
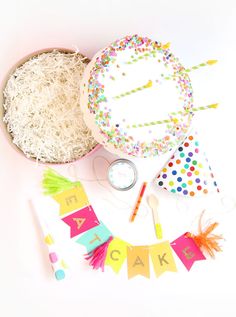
197 30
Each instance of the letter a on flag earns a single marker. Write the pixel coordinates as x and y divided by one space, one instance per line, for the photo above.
138 261
81 221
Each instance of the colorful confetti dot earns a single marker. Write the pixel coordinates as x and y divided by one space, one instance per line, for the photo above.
53 257
60 275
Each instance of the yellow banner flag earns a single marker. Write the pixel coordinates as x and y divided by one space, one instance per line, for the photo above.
116 254
71 199
162 258
138 261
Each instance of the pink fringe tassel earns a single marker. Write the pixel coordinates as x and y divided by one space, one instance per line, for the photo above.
97 256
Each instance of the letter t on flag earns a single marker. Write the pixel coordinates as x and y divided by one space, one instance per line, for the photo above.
187 250
138 261
94 237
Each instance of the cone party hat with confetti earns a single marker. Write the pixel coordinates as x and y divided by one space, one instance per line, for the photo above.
188 171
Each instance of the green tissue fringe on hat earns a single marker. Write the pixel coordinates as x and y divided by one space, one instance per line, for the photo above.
54 183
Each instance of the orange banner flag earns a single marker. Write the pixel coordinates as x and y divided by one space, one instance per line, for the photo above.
138 261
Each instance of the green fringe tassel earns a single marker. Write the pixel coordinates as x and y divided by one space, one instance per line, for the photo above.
54 183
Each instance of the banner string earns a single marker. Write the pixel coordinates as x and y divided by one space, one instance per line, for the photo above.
72 170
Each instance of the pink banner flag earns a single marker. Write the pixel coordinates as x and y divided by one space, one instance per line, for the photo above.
187 250
81 221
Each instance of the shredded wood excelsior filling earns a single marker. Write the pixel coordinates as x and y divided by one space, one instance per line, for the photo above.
42 108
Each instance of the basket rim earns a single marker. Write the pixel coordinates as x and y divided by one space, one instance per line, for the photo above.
3 126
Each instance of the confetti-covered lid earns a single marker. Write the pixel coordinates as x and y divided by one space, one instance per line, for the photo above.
137 98
188 171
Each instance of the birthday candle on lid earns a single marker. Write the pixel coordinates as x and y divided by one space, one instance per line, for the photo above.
194 109
150 83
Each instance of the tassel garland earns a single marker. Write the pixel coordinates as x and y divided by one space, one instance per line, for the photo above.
54 183
205 239
97 256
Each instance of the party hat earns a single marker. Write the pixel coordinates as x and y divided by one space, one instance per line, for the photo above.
188 171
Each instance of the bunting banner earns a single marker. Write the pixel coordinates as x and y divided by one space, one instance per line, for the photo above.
71 199
94 237
162 258
138 261
116 254
81 221
104 249
187 250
